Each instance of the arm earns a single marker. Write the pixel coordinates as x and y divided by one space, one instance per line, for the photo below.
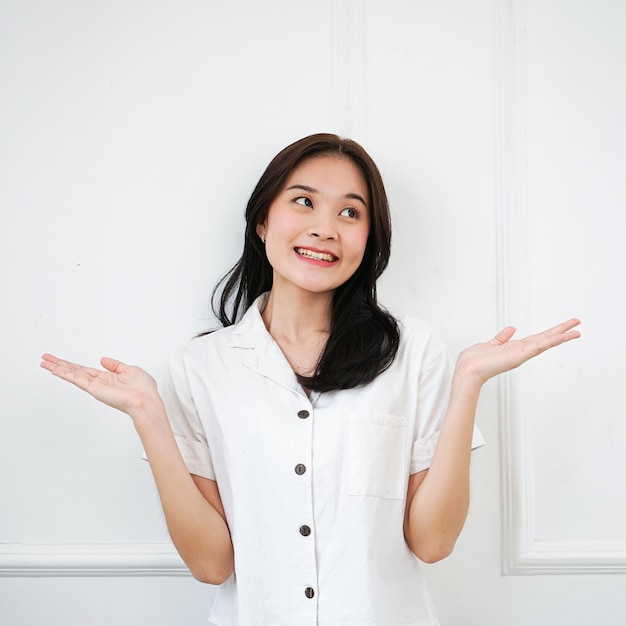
192 505
438 498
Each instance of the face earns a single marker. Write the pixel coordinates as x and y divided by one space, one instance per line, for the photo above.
317 226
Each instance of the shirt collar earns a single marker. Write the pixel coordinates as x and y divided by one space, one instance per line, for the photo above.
250 330
265 355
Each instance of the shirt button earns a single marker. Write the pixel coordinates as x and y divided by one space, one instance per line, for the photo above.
303 414
300 469
305 531
309 592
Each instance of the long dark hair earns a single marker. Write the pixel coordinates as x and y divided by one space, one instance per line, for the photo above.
363 338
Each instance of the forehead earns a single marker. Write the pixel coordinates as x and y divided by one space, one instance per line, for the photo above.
332 174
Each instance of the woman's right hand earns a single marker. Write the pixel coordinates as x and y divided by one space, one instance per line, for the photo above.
124 387
195 516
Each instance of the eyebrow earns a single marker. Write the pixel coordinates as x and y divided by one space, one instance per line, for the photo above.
349 196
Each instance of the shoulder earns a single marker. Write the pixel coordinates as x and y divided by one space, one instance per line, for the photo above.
421 347
411 324
227 342
194 355
206 364
202 344
417 333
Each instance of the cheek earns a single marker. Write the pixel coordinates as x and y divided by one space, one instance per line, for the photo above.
360 243
282 225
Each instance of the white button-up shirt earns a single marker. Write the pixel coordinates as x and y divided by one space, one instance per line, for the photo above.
314 488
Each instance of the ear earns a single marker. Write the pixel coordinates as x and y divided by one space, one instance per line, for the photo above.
261 231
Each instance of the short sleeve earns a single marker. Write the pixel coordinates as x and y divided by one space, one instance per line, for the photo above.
185 421
433 395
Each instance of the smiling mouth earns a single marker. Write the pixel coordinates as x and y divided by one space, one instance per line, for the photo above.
317 256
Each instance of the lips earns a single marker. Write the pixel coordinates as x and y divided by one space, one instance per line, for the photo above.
317 256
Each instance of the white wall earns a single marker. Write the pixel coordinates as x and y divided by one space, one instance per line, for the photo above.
131 134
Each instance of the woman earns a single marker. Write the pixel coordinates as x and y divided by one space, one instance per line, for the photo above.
315 445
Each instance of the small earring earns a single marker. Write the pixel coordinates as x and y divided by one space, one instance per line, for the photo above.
263 238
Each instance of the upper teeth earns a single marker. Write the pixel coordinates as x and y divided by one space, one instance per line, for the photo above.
320 256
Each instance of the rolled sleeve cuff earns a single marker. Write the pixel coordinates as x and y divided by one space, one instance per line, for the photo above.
424 450
197 457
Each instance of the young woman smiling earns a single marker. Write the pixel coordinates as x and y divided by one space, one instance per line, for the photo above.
308 451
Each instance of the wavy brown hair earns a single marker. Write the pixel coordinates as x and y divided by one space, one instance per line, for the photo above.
363 338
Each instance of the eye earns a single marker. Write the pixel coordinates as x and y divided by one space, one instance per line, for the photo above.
304 201
350 212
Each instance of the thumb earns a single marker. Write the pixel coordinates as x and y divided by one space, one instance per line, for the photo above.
113 365
504 335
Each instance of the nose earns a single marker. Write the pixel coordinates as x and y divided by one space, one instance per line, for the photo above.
323 227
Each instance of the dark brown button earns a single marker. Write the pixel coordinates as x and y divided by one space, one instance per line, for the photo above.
303 414
300 469
309 592
305 531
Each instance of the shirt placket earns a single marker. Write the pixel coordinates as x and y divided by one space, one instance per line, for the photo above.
304 592
308 591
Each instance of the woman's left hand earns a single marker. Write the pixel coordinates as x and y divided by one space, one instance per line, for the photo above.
485 360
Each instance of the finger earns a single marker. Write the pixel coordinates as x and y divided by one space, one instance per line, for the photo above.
571 334
571 323
564 327
47 365
562 332
553 337
48 361
503 336
51 363
79 375
568 333
113 365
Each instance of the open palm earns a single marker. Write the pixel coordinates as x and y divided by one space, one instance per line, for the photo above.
125 387
485 360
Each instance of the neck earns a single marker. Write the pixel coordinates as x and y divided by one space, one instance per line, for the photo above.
297 316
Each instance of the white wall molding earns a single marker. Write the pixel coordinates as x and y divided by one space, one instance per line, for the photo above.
569 557
350 68
522 552
92 559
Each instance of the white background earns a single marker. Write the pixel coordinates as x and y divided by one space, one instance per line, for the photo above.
131 134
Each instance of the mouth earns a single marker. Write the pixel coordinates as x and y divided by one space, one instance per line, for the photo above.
316 256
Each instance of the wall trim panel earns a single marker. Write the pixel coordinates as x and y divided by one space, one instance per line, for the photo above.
91 559
522 553
350 68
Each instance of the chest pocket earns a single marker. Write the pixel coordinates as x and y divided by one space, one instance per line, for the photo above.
376 455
